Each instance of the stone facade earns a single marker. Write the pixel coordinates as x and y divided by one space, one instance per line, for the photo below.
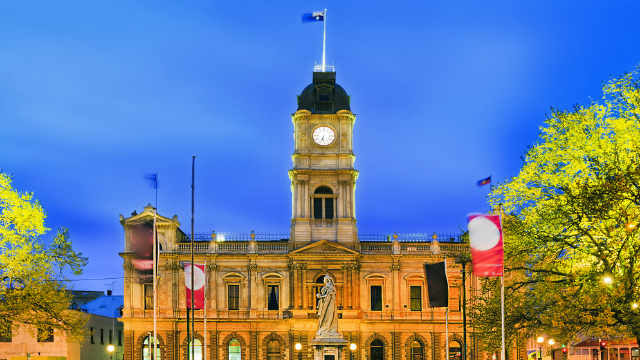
278 277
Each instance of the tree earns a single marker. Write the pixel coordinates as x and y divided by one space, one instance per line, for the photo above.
29 269
572 214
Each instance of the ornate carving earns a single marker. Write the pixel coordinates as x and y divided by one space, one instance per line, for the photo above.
252 267
395 267
212 267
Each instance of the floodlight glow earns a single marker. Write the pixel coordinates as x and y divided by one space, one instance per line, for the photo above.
298 346
608 280
111 348
540 339
353 347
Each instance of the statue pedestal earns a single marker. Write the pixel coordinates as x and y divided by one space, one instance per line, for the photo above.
328 348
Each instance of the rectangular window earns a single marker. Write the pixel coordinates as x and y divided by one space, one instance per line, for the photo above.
119 337
317 208
5 331
102 336
272 291
416 298
328 207
91 335
110 336
376 298
234 297
45 334
148 296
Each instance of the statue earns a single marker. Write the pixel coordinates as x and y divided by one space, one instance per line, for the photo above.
327 313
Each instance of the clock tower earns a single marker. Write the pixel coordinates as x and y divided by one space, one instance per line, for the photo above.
323 178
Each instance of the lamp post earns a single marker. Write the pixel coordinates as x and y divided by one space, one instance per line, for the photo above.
298 347
463 259
352 348
110 349
540 341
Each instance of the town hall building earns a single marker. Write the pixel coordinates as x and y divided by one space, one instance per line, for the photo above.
261 288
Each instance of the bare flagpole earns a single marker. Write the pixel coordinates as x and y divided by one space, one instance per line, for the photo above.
155 271
324 40
193 172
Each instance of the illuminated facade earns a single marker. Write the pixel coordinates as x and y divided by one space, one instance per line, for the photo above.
261 288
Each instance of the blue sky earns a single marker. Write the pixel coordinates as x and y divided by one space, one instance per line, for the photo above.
95 95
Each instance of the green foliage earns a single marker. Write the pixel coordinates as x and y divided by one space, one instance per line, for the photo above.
29 268
573 215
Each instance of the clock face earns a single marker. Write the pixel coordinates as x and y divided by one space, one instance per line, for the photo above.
323 135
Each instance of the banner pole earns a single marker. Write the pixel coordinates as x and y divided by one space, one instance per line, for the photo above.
206 285
502 313
193 171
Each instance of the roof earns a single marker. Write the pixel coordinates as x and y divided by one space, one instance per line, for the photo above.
324 95
108 306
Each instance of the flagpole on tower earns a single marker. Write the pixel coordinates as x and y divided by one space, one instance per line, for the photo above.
324 40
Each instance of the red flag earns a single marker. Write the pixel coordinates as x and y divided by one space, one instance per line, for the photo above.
198 285
485 237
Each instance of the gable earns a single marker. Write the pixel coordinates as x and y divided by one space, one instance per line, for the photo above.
324 247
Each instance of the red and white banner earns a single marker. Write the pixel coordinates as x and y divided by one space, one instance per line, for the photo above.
485 237
199 281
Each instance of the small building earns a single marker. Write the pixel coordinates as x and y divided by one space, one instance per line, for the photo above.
102 328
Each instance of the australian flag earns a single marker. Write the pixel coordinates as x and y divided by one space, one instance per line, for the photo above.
153 180
484 181
313 17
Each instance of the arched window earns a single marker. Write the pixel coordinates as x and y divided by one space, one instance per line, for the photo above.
197 350
147 349
235 350
417 350
377 350
455 350
273 350
323 203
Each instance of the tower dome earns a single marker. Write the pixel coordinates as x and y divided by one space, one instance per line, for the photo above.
324 96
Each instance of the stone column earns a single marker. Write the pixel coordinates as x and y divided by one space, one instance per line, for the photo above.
357 291
303 284
395 267
213 345
395 344
253 345
213 273
291 284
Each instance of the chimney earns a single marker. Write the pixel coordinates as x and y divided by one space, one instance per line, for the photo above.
109 292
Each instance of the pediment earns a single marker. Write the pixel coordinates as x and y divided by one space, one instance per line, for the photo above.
146 216
324 247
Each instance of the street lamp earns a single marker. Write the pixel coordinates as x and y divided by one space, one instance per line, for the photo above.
634 306
298 347
607 280
110 349
353 348
540 341
551 342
